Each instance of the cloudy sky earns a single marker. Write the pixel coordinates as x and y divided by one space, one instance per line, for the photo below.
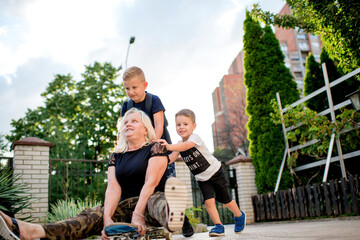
184 47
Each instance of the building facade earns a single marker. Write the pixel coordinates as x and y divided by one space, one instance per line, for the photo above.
296 46
229 98
229 101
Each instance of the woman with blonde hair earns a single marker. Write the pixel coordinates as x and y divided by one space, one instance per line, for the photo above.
136 192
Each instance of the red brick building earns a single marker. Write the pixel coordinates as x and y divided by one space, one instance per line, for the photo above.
296 46
229 99
229 107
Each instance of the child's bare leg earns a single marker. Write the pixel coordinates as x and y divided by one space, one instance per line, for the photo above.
212 211
232 206
27 230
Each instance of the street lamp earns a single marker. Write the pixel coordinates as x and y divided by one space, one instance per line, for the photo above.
131 41
355 99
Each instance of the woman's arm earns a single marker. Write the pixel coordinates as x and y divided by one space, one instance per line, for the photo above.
159 124
155 170
112 196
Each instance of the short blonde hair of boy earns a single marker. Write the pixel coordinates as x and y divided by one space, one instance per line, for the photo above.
121 144
134 72
187 113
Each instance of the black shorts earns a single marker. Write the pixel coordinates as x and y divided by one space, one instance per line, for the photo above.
217 185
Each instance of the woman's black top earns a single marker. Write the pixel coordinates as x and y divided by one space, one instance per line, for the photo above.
130 169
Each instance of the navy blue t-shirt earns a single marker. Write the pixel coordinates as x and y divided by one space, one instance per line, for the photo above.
156 106
130 169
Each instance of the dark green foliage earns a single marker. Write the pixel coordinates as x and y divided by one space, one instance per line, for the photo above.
223 154
3 144
78 117
78 180
336 22
265 74
14 195
339 91
314 79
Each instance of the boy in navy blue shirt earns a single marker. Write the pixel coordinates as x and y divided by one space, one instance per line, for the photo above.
135 86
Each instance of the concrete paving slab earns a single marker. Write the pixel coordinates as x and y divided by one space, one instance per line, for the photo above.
344 228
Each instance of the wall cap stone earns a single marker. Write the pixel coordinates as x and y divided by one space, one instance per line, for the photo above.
237 159
31 141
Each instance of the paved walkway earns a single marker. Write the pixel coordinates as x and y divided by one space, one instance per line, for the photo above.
344 228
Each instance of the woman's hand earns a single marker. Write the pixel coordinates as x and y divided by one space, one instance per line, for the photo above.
139 221
103 234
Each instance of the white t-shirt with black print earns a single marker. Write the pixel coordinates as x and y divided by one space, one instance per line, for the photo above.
199 160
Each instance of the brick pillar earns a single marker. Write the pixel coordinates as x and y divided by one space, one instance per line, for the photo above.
245 176
183 173
31 160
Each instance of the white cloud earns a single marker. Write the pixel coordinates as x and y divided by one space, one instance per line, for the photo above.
184 47
66 31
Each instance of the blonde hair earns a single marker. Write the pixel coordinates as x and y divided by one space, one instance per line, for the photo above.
121 144
134 72
187 113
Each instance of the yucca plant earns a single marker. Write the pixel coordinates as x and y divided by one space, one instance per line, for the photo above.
14 196
67 208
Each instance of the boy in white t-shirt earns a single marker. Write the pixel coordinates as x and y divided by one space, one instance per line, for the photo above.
206 169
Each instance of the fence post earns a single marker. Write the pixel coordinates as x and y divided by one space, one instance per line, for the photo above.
286 151
333 118
31 160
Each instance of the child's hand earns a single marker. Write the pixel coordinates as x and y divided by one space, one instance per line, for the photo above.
163 142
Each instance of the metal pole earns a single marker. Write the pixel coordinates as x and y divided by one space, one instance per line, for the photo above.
281 170
131 41
333 118
327 165
286 144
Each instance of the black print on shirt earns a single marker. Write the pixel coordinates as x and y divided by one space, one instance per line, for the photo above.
195 161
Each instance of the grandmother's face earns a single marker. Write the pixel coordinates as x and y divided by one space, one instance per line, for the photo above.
134 127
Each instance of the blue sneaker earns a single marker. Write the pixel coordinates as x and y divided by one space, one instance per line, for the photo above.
218 230
239 223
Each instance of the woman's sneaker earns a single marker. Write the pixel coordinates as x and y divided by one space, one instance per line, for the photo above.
218 230
176 197
239 223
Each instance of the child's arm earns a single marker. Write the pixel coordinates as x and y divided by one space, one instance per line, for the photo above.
173 156
159 124
178 147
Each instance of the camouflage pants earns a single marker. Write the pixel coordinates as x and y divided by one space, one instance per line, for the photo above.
90 221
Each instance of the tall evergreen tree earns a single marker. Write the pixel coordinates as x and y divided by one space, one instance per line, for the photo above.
339 91
265 74
313 81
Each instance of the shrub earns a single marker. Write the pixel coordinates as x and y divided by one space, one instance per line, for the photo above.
190 213
67 208
14 196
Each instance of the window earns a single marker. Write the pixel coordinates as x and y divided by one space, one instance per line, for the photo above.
284 47
304 46
298 75
294 56
302 36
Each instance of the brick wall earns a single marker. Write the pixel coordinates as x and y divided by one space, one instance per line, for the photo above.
245 175
31 160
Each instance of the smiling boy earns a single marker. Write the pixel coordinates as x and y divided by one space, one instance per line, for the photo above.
206 169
